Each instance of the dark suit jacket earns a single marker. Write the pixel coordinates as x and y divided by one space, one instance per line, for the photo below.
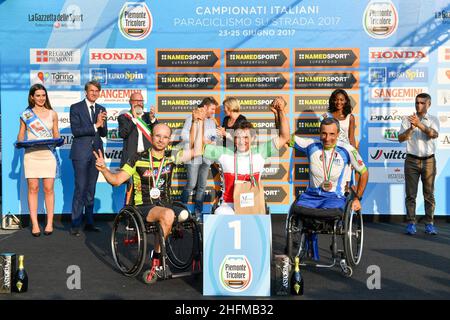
129 133
85 138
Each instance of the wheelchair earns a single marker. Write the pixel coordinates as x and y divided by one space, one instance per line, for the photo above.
304 223
181 252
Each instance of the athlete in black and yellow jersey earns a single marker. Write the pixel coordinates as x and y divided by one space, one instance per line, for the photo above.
152 177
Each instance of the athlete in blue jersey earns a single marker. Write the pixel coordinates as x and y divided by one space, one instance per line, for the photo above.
328 159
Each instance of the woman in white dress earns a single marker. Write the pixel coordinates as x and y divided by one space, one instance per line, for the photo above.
340 108
39 161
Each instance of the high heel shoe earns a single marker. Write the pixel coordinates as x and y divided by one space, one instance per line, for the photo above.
47 233
36 234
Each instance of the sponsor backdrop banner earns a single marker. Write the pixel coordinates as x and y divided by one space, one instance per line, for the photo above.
383 52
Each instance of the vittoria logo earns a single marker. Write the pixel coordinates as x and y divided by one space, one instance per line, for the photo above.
135 21
380 19
113 154
389 155
398 54
117 56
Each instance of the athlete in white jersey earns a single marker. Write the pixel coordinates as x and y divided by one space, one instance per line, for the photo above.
327 162
246 162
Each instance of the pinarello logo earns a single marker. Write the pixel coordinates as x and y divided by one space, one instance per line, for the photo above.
377 155
117 56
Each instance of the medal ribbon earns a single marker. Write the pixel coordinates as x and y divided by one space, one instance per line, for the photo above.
161 165
327 173
252 178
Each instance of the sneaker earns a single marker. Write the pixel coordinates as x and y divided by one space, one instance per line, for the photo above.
150 276
430 229
411 228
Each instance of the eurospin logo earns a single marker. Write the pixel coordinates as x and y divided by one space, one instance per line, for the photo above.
380 19
235 273
117 76
384 75
135 21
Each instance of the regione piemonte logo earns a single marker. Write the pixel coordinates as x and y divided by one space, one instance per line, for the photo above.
54 56
135 21
380 19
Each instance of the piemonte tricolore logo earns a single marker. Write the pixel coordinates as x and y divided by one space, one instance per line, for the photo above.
135 20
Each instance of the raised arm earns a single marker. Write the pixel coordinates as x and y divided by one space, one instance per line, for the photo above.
114 179
279 107
351 131
432 133
196 140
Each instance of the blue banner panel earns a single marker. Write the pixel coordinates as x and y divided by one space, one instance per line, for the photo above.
236 255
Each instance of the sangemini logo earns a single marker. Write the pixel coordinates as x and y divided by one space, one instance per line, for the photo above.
380 19
135 21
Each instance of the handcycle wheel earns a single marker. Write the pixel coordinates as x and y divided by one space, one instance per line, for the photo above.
146 279
353 236
128 241
182 244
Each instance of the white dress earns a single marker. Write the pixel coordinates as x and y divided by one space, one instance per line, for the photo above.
39 162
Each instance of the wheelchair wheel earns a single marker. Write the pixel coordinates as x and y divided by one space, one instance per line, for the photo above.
182 244
128 241
353 236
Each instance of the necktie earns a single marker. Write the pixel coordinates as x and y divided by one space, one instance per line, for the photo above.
92 114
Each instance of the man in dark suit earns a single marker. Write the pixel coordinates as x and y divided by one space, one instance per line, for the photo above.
88 124
135 132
